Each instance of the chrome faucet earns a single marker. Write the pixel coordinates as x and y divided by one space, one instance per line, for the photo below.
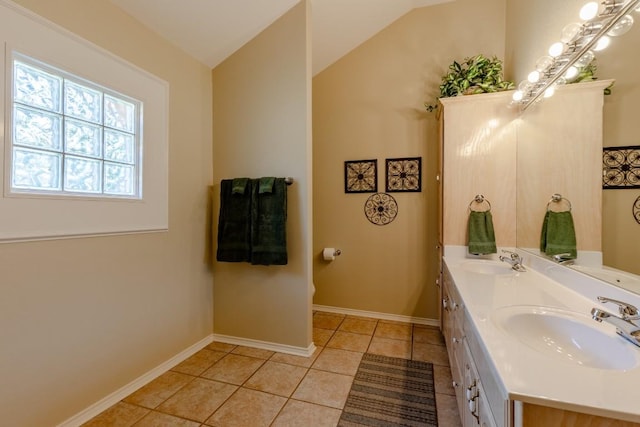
625 325
564 259
514 260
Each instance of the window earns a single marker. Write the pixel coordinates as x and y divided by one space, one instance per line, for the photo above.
84 143
71 137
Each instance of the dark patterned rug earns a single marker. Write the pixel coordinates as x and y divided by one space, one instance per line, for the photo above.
388 391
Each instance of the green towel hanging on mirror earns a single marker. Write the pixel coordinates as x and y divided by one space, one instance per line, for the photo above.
558 234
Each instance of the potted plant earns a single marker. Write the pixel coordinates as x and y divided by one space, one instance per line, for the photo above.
477 74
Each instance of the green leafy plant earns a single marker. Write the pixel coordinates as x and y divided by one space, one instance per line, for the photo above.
587 74
477 74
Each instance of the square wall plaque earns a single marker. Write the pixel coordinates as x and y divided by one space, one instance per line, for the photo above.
621 167
403 174
361 176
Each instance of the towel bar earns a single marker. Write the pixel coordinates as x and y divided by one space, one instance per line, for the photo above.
479 199
288 180
557 198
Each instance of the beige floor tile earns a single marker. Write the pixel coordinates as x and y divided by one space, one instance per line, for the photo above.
199 362
198 400
276 378
233 368
447 409
158 419
290 359
303 414
349 341
321 336
390 347
327 320
394 331
442 379
159 390
358 325
427 334
258 353
120 414
436 354
338 361
221 346
324 388
248 408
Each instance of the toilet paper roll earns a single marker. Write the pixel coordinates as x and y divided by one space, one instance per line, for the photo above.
329 254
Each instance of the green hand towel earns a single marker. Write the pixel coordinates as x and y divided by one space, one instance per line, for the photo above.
234 225
239 185
268 224
482 239
266 185
558 234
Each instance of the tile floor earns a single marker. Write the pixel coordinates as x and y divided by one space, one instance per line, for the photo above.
228 385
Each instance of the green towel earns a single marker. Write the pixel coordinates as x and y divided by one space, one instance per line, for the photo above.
266 185
239 185
234 224
482 239
268 223
558 234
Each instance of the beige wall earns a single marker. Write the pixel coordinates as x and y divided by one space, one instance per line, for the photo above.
369 105
261 127
83 317
530 30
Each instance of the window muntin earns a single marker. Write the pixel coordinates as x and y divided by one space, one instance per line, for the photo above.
72 137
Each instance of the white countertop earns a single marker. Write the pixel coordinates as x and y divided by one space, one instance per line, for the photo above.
534 377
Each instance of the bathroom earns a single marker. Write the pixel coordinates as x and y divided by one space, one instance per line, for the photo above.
99 312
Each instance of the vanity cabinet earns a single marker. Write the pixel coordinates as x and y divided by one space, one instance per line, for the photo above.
475 393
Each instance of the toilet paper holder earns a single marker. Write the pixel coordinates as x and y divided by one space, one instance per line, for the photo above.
329 254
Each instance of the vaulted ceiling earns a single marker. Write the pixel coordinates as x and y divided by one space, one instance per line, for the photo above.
211 30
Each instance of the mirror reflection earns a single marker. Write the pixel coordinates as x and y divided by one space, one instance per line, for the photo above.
620 232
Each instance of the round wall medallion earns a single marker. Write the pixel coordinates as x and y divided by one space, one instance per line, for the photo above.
636 210
381 209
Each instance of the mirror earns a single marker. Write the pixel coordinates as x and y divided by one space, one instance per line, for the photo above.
620 231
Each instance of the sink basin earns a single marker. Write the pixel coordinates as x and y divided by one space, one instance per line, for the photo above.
483 266
567 336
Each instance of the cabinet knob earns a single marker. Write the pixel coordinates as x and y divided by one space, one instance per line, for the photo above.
455 384
445 303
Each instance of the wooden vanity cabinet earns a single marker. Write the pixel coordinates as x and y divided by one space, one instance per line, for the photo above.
480 402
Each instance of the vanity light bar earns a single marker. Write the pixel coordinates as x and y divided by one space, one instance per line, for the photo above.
613 11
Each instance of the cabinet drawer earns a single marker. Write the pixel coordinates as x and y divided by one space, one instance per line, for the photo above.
492 390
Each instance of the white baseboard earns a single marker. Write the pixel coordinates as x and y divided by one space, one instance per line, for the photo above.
375 315
110 400
266 345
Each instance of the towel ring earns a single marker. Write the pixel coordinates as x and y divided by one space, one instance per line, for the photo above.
479 199
557 198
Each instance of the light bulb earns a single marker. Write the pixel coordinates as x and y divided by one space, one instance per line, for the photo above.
589 11
560 81
534 76
585 59
550 91
543 63
571 73
570 32
524 86
517 95
556 49
602 43
622 26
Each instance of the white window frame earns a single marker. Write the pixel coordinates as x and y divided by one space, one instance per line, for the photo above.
12 190
33 216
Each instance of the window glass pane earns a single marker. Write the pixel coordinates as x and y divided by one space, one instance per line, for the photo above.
82 175
36 88
82 102
36 170
82 138
119 114
119 146
36 128
118 179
